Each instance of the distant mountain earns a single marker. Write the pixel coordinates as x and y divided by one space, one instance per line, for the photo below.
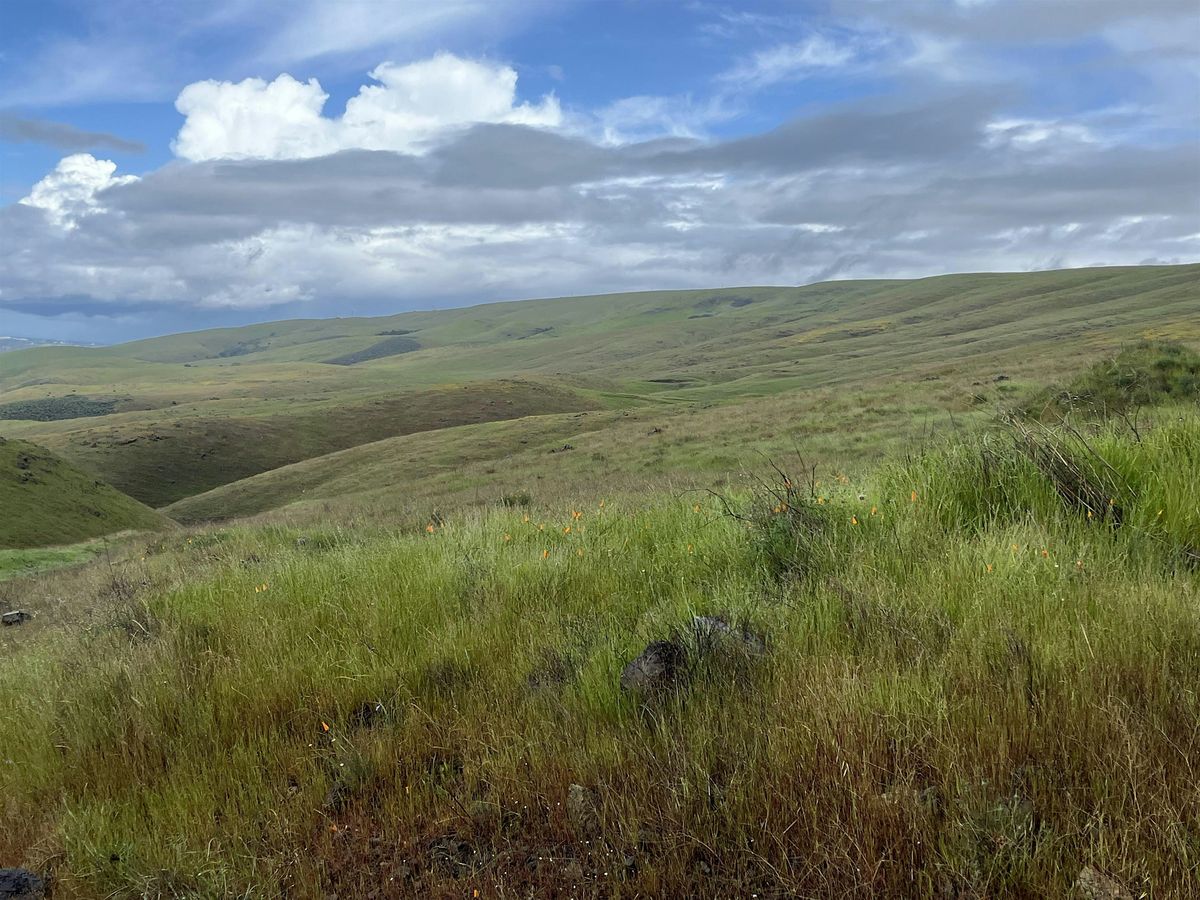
23 343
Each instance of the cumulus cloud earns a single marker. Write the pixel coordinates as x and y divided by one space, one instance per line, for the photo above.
407 107
69 192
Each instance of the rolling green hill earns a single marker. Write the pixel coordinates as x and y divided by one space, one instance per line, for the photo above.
192 412
161 458
757 592
46 501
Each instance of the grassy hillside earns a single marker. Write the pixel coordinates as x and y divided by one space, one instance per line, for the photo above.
689 445
46 501
969 673
611 452
192 412
160 459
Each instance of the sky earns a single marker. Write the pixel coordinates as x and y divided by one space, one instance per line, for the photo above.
169 165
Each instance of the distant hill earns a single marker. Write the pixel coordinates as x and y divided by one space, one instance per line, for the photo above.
168 418
23 343
46 501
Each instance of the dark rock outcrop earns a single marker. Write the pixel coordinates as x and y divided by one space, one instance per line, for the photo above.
21 884
660 666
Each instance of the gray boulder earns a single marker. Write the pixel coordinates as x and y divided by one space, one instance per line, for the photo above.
659 667
21 884
713 633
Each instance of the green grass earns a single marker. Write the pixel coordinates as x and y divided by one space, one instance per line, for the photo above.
972 688
20 563
46 501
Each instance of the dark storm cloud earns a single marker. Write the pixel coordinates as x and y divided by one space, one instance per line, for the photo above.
18 130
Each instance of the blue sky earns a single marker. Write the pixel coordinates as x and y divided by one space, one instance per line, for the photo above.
174 165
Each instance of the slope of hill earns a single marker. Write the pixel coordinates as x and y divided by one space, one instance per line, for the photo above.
551 459
46 501
160 458
192 412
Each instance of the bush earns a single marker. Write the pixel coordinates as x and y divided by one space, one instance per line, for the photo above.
1145 374
53 409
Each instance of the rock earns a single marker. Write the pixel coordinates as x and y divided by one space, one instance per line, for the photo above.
1093 884
1000 378
16 617
21 884
582 811
711 631
660 666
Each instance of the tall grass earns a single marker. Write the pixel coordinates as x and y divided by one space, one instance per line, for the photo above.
972 689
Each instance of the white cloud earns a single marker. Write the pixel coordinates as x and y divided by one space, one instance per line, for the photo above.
254 119
647 117
1027 133
785 62
312 29
408 106
69 192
